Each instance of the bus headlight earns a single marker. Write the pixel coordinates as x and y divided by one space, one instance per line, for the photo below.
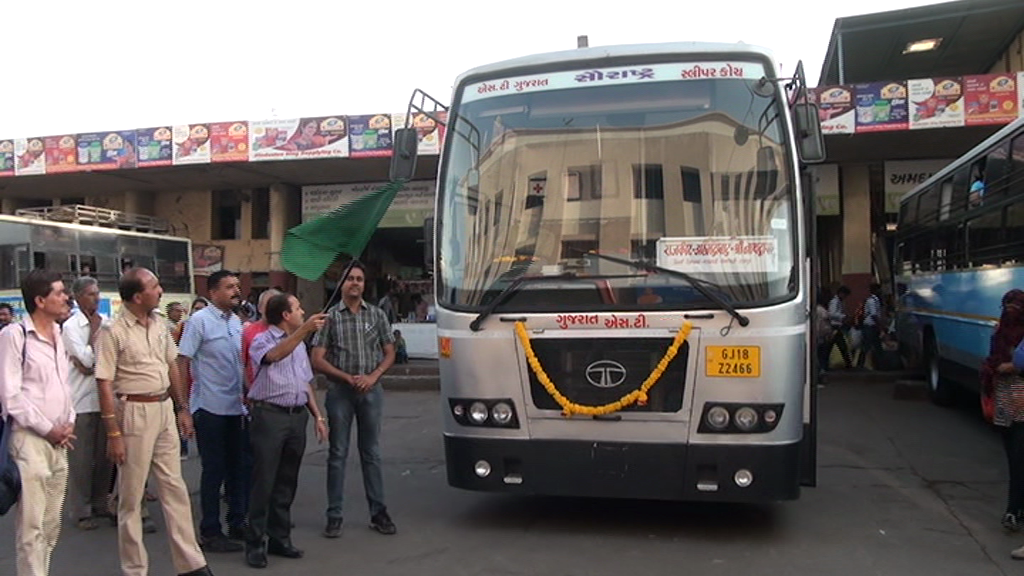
746 418
718 418
501 413
478 412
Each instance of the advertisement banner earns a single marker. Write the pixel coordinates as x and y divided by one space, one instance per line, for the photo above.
229 141
207 259
369 136
719 254
936 103
429 132
1020 94
61 154
154 146
902 176
107 150
991 99
881 106
191 144
413 204
6 158
836 110
29 156
319 137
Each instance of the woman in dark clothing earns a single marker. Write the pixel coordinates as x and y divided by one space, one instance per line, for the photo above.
1004 383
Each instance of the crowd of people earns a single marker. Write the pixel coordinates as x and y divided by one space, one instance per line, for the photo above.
100 407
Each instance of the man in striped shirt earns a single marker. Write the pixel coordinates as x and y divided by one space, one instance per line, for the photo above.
354 349
280 396
872 328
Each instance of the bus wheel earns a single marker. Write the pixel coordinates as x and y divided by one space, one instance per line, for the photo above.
940 390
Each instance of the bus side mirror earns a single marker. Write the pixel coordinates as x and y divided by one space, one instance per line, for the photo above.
809 139
403 161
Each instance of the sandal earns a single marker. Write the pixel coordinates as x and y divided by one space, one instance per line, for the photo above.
87 524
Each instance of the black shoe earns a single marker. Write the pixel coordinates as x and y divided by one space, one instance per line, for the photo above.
255 555
237 533
283 549
204 571
333 529
219 543
382 523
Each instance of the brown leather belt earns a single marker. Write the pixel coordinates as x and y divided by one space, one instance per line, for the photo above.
144 397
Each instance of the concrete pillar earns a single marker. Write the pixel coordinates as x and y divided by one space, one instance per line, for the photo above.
9 205
857 253
285 204
139 202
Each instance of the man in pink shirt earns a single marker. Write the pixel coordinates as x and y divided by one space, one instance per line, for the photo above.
254 329
35 392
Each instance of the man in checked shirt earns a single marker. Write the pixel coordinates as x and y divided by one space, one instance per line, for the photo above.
354 349
280 396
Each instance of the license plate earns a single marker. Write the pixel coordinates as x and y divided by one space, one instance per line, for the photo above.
733 361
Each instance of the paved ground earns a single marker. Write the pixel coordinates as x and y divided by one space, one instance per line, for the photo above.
905 488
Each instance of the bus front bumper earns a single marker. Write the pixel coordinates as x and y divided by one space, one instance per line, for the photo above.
624 469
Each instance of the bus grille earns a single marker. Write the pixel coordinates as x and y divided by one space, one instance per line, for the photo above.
593 372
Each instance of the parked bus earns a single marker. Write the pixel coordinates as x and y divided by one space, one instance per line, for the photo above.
75 250
960 247
622 276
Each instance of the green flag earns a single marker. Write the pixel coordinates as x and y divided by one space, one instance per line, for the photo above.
310 248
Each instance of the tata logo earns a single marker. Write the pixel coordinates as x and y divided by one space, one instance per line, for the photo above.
606 374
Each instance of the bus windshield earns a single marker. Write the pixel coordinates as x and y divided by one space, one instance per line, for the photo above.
685 166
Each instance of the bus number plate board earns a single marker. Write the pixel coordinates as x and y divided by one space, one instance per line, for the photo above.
734 361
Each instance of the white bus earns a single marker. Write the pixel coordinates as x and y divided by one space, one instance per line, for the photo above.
622 276
74 250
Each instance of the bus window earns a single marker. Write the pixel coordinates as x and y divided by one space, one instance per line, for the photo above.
928 210
946 198
995 171
961 183
984 239
1016 169
1015 231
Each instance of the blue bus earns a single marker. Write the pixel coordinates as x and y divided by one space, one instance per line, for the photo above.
960 247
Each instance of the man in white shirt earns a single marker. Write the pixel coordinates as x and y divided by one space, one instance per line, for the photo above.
89 469
838 321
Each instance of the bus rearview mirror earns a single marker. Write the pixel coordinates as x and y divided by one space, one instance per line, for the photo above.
403 161
809 139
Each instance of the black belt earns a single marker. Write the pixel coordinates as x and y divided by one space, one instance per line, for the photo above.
278 408
144 397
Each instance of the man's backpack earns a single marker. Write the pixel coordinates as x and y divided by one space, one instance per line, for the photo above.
10 476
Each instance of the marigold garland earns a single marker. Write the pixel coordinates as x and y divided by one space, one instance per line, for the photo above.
638 396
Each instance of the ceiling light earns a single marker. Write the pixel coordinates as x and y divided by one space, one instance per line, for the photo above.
922 45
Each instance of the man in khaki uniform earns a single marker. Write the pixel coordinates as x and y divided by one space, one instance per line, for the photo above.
138 378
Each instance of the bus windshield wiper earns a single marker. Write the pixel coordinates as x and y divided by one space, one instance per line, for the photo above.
698 284
503 295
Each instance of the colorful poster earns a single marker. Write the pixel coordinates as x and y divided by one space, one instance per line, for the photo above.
990 99
413 204
836 110
369 136
936 103
6 158
191 144
154 146
428 131
881 106
319 137
207 259
61 154
107 150
229 141
1020 94
29 156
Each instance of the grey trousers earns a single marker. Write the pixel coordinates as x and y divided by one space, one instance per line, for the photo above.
89 469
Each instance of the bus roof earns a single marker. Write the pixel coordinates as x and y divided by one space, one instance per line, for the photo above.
90 228
968 156
589 55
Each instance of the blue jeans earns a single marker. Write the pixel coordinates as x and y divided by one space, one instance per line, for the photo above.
224 453
343 404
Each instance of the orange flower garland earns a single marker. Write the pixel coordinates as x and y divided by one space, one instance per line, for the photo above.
638 396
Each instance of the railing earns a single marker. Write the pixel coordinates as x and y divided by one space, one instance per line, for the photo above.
94 216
